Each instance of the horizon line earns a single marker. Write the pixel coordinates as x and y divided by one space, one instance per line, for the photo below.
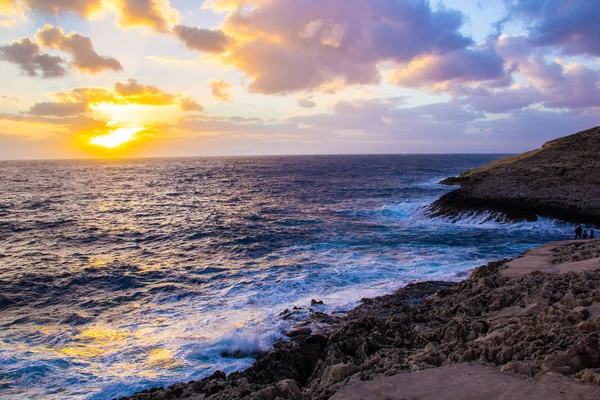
251 156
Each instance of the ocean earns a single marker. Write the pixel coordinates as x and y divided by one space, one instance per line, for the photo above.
122 275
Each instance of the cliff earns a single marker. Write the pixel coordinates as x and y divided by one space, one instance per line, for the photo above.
561 180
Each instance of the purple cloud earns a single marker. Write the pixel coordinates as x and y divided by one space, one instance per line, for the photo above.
497 100
465 65
210 41
571 25
559 84
305 102
28 56
59 109
303 45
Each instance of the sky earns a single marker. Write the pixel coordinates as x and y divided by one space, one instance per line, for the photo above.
170 78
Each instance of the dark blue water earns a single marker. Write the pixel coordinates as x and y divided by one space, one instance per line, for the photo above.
121 275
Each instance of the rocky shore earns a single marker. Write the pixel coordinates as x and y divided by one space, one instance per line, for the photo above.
510 317
561 180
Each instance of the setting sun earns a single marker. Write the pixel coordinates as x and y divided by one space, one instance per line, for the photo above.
116 138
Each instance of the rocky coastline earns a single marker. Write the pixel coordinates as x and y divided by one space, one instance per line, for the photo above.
561 180
502 317
536 317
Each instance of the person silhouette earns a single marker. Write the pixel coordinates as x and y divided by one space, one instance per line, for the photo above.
585 234
592 234
578 232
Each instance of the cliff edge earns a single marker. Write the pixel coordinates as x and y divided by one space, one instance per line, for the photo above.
561 180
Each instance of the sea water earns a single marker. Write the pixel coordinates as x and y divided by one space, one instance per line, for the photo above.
122 275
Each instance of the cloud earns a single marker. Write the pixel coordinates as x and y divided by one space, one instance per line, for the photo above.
230 5
210 41
497 100
462 66
80 47
56 7
31 61
59 109
571 25
10 13
381 124
579 89
40 127
6 5
528 129
188 104
384 125
220 89
306 103
80 100
303 45
134 92
559 84
79 115
375 117
156 14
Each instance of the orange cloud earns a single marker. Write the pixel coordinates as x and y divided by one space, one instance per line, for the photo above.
103 121
56 7
156 14
187 104
131 93
220 89
10 13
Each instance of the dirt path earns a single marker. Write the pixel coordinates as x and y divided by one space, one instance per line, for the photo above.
468 382
557 258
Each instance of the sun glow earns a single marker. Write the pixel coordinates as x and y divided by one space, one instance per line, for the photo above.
116 138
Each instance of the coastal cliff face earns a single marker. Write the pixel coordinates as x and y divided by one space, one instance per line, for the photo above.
561 180
529 324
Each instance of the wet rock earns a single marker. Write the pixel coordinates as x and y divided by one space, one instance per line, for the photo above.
218 375
299 332
314 302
